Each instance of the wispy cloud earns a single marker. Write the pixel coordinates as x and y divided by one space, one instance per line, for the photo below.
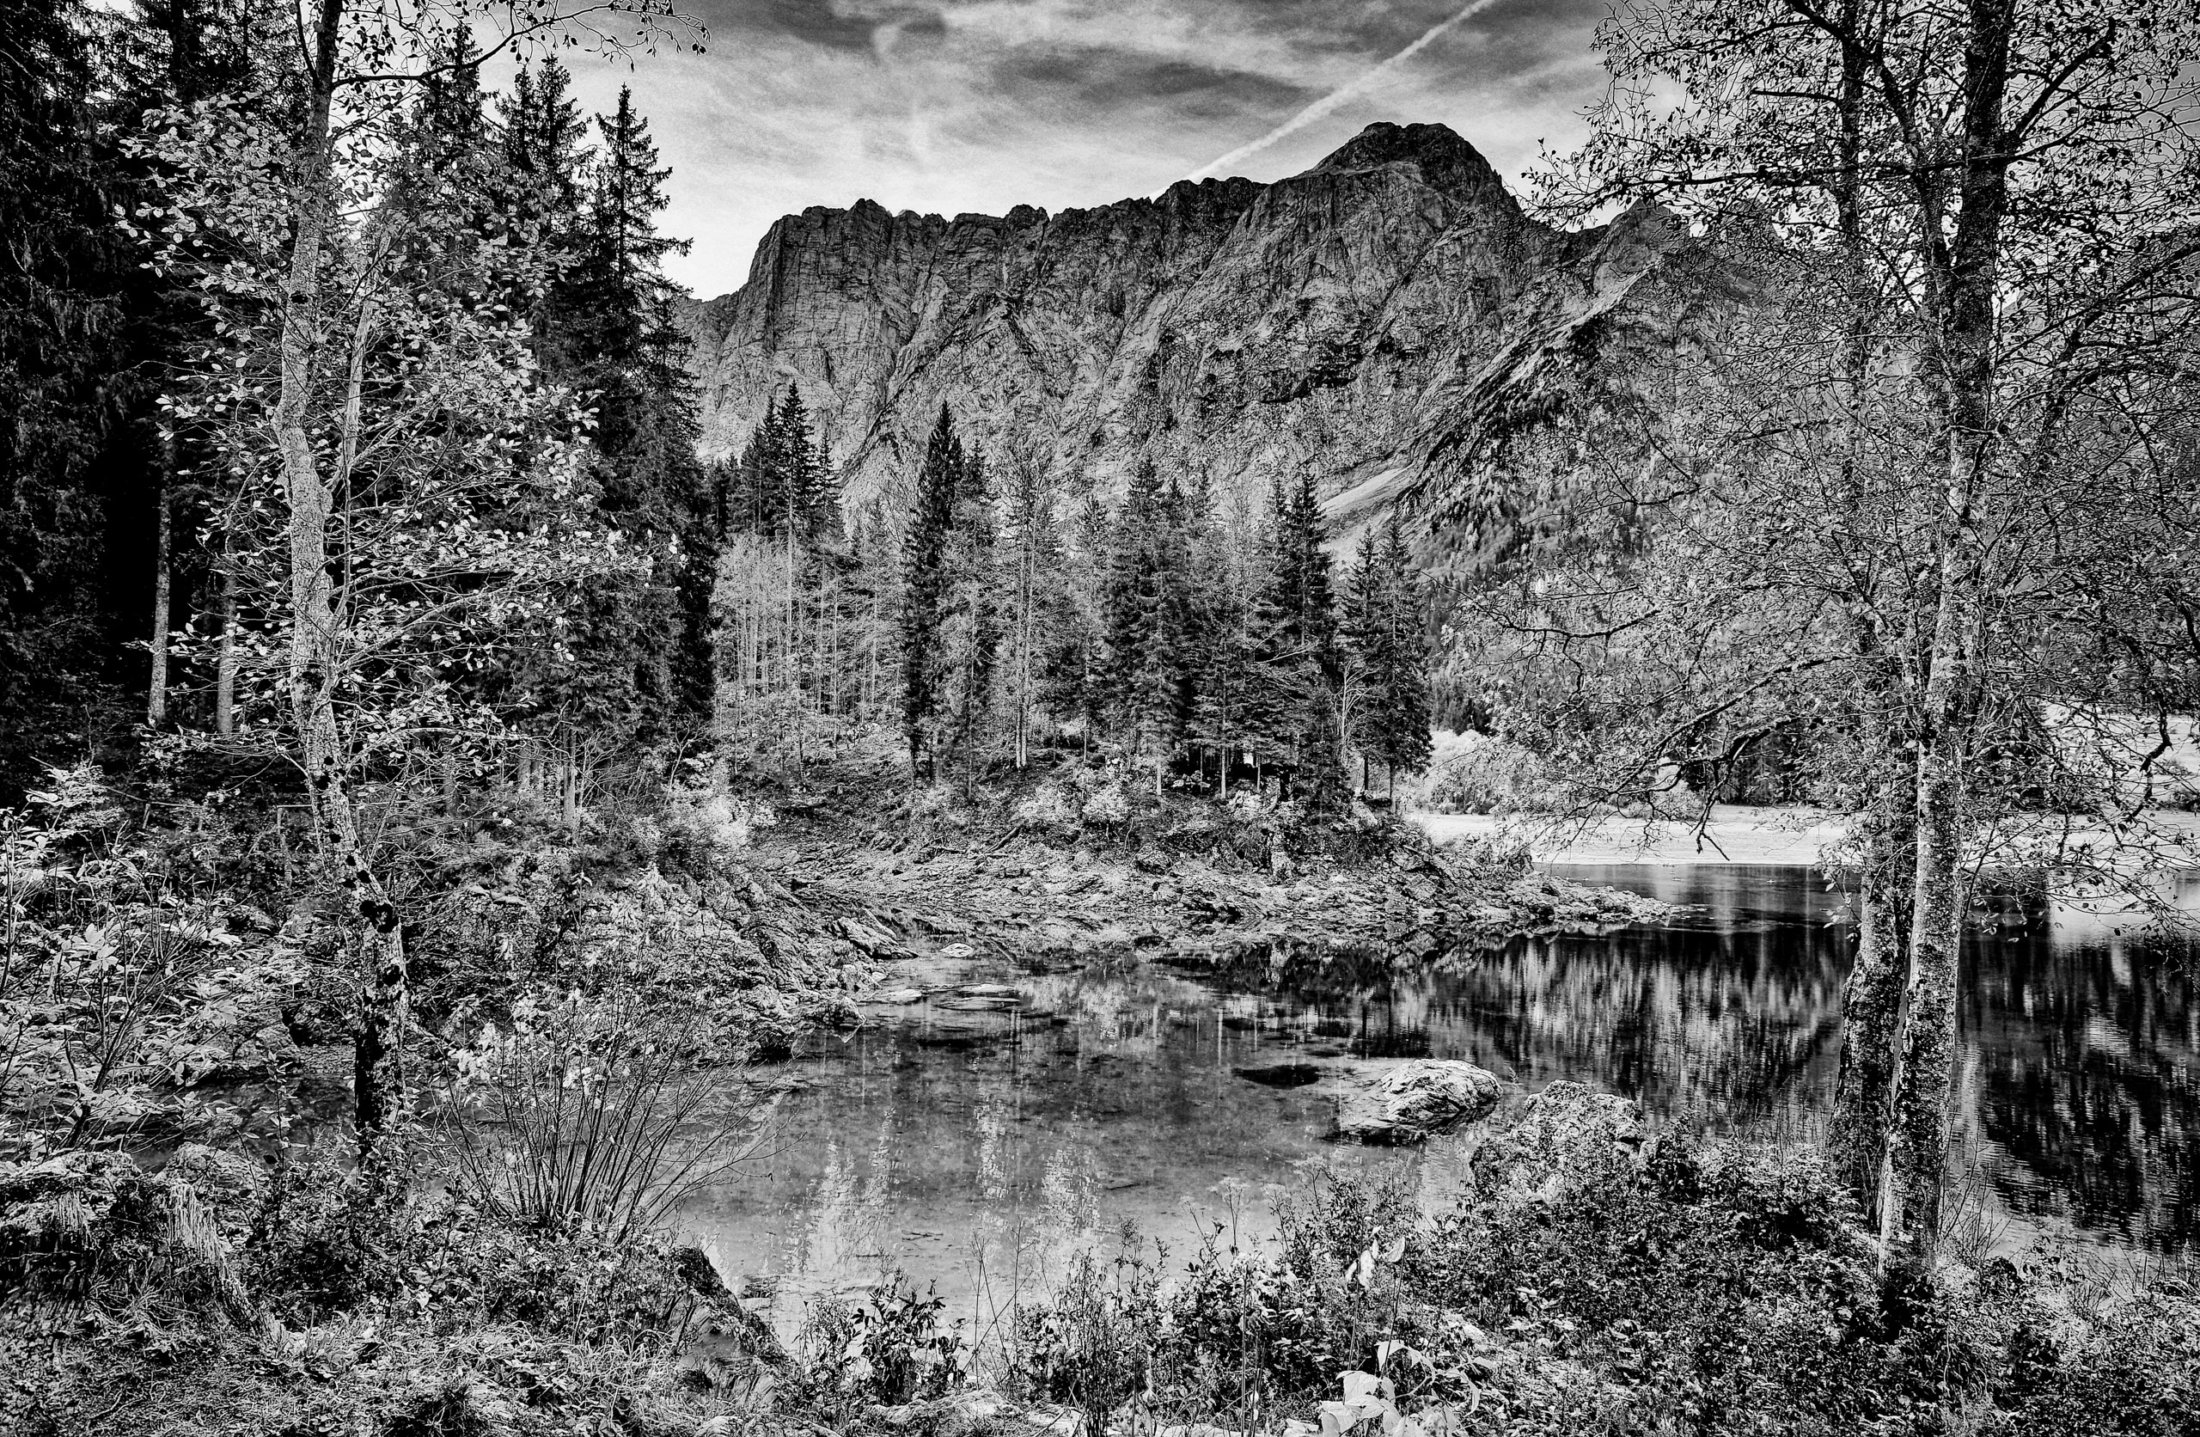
1338 98
956 105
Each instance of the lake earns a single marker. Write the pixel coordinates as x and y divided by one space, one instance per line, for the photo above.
976 1140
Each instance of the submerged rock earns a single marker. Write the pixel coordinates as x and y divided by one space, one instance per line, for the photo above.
1281 1075
1414 1100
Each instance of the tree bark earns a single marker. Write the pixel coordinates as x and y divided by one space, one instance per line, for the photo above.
156 684
225 655
1864 1100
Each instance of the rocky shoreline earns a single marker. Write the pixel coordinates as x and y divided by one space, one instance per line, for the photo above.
969 893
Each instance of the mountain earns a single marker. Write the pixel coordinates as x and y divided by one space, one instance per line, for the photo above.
1366 318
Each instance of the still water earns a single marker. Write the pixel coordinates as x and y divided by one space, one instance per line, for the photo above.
976 1138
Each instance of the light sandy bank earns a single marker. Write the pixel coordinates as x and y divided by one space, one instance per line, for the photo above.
1735 834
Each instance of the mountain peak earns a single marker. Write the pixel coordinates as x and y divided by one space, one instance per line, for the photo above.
1446 161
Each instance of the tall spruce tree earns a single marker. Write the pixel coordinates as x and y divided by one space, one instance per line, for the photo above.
546 163
924 585
1297 648
1386 643
783 485
969 636
608 330
1148 615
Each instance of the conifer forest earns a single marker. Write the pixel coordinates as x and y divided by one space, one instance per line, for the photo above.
1412 783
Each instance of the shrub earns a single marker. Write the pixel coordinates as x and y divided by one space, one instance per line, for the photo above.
1109 806
1094 1345
1048 809
1476 773
703 834
582 1113
474 1269
116 990
321 1240
889 1348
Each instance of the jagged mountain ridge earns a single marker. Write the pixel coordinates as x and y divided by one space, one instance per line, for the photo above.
1353 319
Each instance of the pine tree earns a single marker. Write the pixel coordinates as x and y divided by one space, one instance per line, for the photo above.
1295 707
608 331
970 619
826 525
1407 742
924 585
1389 663
1222 670
546 159
1148 611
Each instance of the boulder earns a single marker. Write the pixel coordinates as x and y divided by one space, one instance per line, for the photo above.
1410 1101
1565 1134
872 942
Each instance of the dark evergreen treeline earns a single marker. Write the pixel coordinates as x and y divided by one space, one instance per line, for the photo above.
1185 636
86 338
128 548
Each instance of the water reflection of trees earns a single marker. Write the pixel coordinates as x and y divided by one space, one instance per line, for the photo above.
2079 1075
2084 1069
1112 1091
1721 1025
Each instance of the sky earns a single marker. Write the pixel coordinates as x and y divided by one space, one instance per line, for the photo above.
952 106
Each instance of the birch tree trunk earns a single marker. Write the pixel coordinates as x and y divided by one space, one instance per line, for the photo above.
1961 305
156 683
317 657
225 654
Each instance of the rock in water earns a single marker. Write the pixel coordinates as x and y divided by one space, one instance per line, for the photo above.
1416 1099
1281 1075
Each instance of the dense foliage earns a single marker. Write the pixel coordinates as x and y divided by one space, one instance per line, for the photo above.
1583 1284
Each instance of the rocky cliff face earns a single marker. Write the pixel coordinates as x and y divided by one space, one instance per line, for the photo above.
1356 319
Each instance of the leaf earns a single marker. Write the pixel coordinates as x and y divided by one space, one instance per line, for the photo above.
1361 1385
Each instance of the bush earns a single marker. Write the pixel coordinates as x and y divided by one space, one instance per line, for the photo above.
321 1241
1094 1345
1713 1288
581 1113
474 1269
889 1348
1109 806
1047 809
117 990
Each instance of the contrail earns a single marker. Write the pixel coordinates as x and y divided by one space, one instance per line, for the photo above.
1335 98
